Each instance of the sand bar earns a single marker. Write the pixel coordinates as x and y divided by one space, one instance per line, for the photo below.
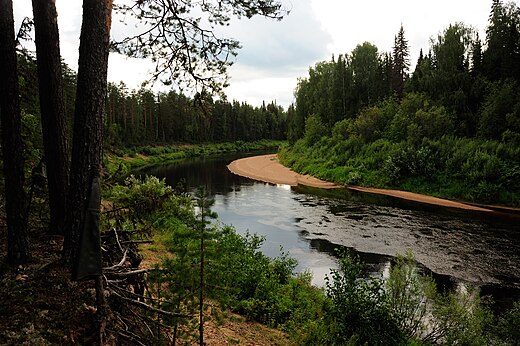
266 168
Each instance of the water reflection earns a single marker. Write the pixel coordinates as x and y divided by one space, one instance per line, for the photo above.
454 246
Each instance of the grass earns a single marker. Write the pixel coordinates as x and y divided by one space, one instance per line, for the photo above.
121 161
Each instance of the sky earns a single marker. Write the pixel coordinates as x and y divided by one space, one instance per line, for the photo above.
275 54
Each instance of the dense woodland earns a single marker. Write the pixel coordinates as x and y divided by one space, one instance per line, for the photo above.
450 127
143 117
359 118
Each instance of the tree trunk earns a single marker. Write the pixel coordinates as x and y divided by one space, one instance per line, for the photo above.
88 124
15 199
54 127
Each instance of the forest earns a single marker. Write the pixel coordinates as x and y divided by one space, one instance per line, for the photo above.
450 127
144 117
73 226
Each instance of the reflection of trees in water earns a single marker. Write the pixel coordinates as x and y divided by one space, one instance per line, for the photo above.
431 230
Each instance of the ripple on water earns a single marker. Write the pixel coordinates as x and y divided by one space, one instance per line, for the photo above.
459 246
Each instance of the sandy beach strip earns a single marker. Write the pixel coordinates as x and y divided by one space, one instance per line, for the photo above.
266 168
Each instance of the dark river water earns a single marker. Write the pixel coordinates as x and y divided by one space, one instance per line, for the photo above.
457 248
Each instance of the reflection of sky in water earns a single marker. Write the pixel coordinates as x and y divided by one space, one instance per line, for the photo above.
308 223
269 211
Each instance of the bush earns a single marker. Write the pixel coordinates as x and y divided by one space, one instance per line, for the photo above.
359 308
314 130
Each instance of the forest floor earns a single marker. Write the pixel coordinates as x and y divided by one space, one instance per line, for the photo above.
41 305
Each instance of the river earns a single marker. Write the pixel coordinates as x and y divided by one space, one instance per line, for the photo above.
457 247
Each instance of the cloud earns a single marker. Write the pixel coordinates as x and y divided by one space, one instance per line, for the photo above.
281 46
275 53
253 86
377 21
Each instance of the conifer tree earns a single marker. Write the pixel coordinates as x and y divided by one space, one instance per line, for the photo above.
52 107
13 164
401 62
476 57
503 42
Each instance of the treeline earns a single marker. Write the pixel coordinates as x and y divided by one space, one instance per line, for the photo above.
142 117
451 127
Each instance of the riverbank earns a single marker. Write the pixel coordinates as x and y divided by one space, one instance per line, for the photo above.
266 168
123 161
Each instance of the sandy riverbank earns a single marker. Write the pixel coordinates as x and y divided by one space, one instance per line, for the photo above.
267 168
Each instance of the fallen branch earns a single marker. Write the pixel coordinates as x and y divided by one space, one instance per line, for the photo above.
138 296
130 336
120 264
130 273
137 242
151 308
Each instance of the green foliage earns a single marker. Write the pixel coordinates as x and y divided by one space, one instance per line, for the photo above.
411 145
409 295
140 201
508 325
417 117
500 111
314 130
407 161
143 196
371 124
353 310
460 318
359 307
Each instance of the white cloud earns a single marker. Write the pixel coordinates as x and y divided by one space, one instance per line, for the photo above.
377 21
294 41
254 87
275 54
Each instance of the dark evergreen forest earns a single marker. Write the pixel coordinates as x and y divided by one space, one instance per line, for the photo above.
143 117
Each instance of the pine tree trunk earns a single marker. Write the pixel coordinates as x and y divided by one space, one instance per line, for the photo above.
15 200
52 107
88 124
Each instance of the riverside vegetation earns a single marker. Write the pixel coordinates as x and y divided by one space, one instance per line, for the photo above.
122 161
406 308
450 129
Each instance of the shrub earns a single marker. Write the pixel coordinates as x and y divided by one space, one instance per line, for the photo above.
359 307
314 130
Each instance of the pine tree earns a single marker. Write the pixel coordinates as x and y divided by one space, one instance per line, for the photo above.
476 57
13 163
401 62
501 58
54 128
